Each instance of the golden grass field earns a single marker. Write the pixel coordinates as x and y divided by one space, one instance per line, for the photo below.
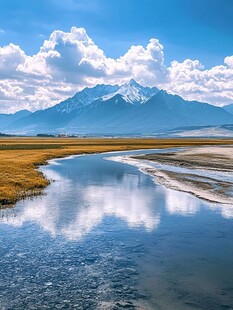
19 158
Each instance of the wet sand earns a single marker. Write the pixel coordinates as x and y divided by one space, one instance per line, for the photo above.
205 172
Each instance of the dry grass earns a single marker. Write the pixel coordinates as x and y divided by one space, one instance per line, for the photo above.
19 158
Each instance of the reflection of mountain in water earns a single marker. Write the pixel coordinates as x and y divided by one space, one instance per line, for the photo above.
85 192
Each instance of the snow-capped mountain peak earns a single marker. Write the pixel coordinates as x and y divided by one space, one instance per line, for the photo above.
86 97
133 92
132 109
132 82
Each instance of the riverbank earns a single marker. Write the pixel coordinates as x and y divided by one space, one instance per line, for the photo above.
206 172
20 158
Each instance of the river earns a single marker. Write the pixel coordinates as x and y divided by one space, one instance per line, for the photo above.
106 236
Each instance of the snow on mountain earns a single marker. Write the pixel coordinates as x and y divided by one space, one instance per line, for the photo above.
85 97
133 92
126 109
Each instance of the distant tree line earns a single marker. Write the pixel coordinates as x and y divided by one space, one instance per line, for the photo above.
5 135
45 135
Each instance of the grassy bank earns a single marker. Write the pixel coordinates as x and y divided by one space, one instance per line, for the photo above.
19 158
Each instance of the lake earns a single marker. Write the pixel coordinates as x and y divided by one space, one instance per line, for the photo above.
106 236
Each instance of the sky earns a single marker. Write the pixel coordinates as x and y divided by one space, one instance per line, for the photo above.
50 49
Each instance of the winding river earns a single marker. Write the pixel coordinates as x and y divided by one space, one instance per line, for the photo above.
106 236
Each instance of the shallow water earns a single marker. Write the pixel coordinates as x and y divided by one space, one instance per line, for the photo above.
105 236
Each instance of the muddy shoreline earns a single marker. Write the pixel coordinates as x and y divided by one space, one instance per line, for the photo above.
205 172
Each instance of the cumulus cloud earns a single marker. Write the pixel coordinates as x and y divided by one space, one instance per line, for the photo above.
69 61
192 81
11 57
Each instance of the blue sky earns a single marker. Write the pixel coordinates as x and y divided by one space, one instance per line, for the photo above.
188 29
50 49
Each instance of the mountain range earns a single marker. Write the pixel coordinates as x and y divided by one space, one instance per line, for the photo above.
128 109
7 119
229 108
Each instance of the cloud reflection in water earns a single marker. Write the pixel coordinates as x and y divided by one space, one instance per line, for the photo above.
60 214
79 201
180 203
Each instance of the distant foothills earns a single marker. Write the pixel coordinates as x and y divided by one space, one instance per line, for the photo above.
123 110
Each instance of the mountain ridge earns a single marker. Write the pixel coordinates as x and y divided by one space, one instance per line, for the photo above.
112 109
229 108
8 119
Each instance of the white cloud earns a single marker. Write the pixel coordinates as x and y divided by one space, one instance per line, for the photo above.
190 80
11 56
229 61
69 61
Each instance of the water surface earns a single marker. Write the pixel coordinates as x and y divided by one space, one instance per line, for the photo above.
105 236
